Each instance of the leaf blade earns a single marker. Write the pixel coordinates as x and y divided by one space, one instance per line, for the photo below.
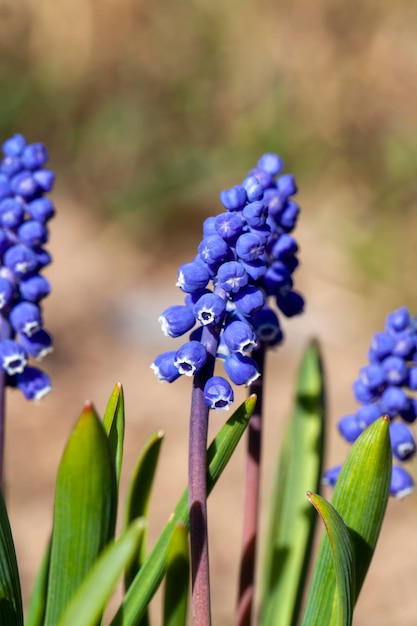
11 609
114 425
177 579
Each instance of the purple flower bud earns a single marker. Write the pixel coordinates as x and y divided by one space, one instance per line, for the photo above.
209 226
213 249
34 288
372 376
218 393
277 279
393 401
404 345
256 269
401 483
45 179
286 185
21 260
14 146
398 320
249 247
4 242
41 209
264 179
37 345
361 392
249 300
395 370
11 165
5 191
13 357
368 413
12 213
412 378
262 232
349 428
331 475
164 367
253 188
209 309
32 233
192 277
24 184
242 370
288 218
232 277
382 345
228 226
42 256
402 441
271 163
233 199
410 413
176 320
285 246
33 383
6 292
266 325
26 318
291 303
240 337
191 298
255 214
190 358
34 156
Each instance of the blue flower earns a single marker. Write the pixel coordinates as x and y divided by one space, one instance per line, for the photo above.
386 386
244 267
218 393
24 213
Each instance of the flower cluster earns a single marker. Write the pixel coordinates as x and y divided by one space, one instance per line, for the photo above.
24 213
245 260
385 387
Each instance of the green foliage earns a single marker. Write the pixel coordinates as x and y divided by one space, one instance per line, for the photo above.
177 579
11 611
292 521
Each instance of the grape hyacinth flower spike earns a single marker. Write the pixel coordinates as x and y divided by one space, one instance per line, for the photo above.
387 385
242 272
24 213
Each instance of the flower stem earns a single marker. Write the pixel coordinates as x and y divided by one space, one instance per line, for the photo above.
251 503
197 484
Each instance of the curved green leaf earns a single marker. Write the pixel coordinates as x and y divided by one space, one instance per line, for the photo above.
360 497
37 605
177 579
138 495
11 611
343 560
114 425
149 578
91 597
84 511
292 521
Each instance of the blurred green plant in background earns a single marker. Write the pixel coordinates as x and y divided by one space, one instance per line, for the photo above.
146 102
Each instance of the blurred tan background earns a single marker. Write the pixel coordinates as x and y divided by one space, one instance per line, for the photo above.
148 111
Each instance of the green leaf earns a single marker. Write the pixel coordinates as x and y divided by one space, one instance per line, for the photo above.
152 572
177 579
114 425
92 596
360 497
343 560
292 521
37 605
11 611
84 511
138 495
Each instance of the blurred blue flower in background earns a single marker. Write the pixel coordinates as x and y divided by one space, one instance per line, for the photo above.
386 386
24 214
243 269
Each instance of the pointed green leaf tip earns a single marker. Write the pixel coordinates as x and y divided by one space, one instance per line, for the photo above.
84 511
343 560
114 425
360 497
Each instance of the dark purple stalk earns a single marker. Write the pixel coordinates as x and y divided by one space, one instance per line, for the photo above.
251 503
197 476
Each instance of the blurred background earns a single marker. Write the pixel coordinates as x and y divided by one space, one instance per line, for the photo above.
148 111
